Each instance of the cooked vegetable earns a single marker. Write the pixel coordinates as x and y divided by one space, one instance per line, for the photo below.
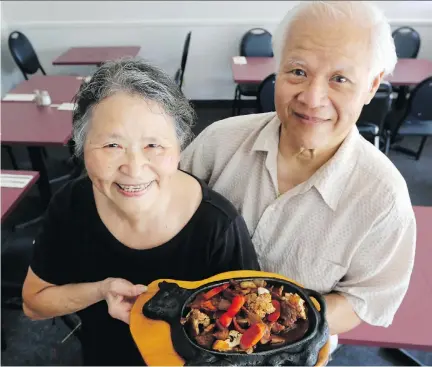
275 315
252 335
237 326
246 316
221 346
236 305
213 292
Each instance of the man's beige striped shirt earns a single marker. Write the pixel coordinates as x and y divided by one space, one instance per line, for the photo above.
350 228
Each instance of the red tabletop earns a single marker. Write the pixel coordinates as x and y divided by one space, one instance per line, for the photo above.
254 71
61 88
94 55
10 196
26 123
412 325
408 72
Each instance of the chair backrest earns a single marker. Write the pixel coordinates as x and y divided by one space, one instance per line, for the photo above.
378 108
420 102
180 72
23 53
419 106
256 43
407 42
266 94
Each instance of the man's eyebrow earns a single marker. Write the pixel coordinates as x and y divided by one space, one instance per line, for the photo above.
295 62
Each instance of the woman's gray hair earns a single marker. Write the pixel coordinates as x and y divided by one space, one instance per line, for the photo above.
137 77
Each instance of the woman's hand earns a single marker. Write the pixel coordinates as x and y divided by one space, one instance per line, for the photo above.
120 295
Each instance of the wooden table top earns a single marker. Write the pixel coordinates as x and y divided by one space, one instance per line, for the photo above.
11 196
94 55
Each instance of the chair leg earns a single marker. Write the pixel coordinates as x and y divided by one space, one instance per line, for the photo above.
377 141
387 144
239 104
12 158
235 101
422 144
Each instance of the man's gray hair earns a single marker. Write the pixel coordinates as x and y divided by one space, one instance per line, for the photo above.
364 13
137 77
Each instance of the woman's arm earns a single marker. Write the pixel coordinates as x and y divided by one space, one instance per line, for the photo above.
43 300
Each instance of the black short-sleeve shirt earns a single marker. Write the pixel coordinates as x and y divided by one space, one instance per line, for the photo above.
74 246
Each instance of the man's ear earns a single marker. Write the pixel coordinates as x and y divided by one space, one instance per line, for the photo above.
374 87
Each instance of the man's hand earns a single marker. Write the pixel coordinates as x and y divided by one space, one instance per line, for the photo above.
120 295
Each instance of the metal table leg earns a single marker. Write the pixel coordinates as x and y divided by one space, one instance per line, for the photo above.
38 164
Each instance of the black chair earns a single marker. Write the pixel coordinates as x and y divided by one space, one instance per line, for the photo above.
255 43
372 118
180 72
15 260
27 61
417 120
24 55
407 42
11 156
266 94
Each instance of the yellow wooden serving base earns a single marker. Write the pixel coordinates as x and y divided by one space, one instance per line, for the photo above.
153 337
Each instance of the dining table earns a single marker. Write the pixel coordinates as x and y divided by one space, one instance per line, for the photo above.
35 127
253 70
12 195
95 55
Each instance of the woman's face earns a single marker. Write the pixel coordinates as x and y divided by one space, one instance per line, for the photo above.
131 151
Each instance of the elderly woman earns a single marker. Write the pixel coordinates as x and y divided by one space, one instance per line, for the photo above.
134 217
324 206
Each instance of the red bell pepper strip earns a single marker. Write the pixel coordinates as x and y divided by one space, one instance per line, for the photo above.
276 314
252 335
236 305
212 292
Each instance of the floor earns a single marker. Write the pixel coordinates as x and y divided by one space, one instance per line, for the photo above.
40 342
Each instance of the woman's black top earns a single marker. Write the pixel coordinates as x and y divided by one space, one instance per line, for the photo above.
74 246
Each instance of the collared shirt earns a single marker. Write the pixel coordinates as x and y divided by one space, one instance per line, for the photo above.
349 228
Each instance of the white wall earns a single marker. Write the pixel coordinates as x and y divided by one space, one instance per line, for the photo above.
160 28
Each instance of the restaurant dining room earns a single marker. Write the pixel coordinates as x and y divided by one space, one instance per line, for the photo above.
81 81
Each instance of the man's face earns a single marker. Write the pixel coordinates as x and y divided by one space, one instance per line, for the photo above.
323 82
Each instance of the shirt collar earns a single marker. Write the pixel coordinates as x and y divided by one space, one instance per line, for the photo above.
331 178
268 137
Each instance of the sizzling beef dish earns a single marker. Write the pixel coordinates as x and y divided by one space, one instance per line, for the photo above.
245 316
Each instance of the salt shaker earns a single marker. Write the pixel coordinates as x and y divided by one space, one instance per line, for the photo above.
37 97
45 98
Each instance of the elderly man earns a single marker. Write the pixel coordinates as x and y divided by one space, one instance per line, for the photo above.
323 205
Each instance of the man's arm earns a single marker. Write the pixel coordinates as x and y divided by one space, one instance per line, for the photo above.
340 314
379 273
